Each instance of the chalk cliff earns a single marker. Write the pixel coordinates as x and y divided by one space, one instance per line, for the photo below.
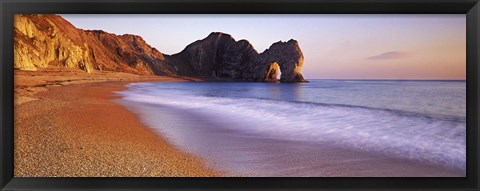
43 41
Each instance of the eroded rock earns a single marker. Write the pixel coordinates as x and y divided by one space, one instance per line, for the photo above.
49 40
220 56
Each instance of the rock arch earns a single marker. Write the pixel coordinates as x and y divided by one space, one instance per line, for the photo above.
288 58
221 57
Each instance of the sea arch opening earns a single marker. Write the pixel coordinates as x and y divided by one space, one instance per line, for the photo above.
273 72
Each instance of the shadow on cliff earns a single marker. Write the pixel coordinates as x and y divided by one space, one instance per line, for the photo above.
43 41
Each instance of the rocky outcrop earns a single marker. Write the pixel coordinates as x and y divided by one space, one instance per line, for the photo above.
43 41
39 43
50 41
220 56
288 56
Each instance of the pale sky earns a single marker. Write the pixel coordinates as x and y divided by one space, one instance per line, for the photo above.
334 46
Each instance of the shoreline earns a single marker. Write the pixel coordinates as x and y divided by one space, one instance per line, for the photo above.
71 127
239 153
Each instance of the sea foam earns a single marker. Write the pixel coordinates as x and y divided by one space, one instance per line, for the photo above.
404 135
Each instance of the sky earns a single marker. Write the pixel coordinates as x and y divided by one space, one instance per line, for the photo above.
423 47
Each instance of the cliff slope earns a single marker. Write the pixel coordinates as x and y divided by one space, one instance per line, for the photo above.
49 40
43 41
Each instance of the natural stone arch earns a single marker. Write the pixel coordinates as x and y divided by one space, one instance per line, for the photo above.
288 58
221 57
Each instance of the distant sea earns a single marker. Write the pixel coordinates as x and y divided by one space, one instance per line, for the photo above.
422 121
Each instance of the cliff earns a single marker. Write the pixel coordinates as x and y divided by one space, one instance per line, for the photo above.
220 56
49 40
43 41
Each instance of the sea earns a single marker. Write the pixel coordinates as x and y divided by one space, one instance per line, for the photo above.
281 129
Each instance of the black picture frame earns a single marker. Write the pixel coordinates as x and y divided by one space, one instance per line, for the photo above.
10 7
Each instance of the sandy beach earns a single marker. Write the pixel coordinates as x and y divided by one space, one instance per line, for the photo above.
66 125
72 124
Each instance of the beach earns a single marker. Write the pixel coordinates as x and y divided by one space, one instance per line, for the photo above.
66 125
72 124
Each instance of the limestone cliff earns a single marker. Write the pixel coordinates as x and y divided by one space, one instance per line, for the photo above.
43 41
49 40
220 56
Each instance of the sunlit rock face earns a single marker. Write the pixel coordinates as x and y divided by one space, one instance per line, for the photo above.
39 43
49 40
220 56
43 41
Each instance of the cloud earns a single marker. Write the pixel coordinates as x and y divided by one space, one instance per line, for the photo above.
391 55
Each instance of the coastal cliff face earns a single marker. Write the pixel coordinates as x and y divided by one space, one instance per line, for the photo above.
288 56
49 40
43 41
40 42
220 56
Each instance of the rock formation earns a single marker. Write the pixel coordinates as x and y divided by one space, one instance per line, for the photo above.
220 56
49 40
43 41
288 56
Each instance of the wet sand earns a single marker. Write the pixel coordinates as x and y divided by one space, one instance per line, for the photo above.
67 126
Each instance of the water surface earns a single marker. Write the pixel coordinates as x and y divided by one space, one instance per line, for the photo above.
244 128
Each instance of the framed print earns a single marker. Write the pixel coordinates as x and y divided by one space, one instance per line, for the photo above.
251 95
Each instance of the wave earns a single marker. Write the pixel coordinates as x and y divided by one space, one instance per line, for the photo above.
399 134
398 112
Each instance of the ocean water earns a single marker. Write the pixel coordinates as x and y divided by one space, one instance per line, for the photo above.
421 121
